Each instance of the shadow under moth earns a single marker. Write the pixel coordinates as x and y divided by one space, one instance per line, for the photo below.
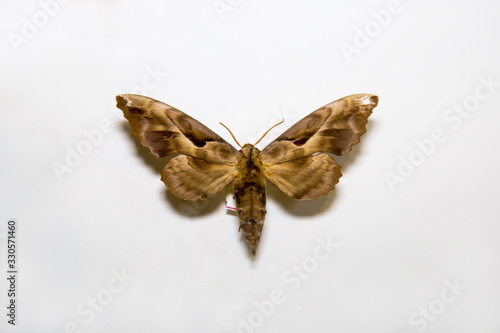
297 162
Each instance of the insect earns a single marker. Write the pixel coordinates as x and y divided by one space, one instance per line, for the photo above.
297 162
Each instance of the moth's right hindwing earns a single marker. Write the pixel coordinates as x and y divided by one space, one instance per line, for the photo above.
305 178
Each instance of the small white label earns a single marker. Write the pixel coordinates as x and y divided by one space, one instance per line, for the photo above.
230 200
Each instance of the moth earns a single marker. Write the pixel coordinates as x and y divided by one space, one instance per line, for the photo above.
297 162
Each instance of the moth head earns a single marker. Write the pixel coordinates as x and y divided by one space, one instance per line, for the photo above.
249 151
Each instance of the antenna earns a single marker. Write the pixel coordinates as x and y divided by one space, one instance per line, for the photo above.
231 134
281 122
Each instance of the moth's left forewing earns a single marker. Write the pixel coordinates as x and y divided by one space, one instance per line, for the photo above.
165 130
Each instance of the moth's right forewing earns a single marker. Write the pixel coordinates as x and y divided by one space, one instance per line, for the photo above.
164 130
333 128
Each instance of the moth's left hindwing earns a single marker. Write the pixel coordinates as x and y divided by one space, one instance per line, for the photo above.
210 163
191 178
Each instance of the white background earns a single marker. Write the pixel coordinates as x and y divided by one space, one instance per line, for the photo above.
401 242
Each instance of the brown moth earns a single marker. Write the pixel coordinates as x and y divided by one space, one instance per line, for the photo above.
297 162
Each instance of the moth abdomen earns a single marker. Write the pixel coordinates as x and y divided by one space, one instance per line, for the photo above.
250 196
